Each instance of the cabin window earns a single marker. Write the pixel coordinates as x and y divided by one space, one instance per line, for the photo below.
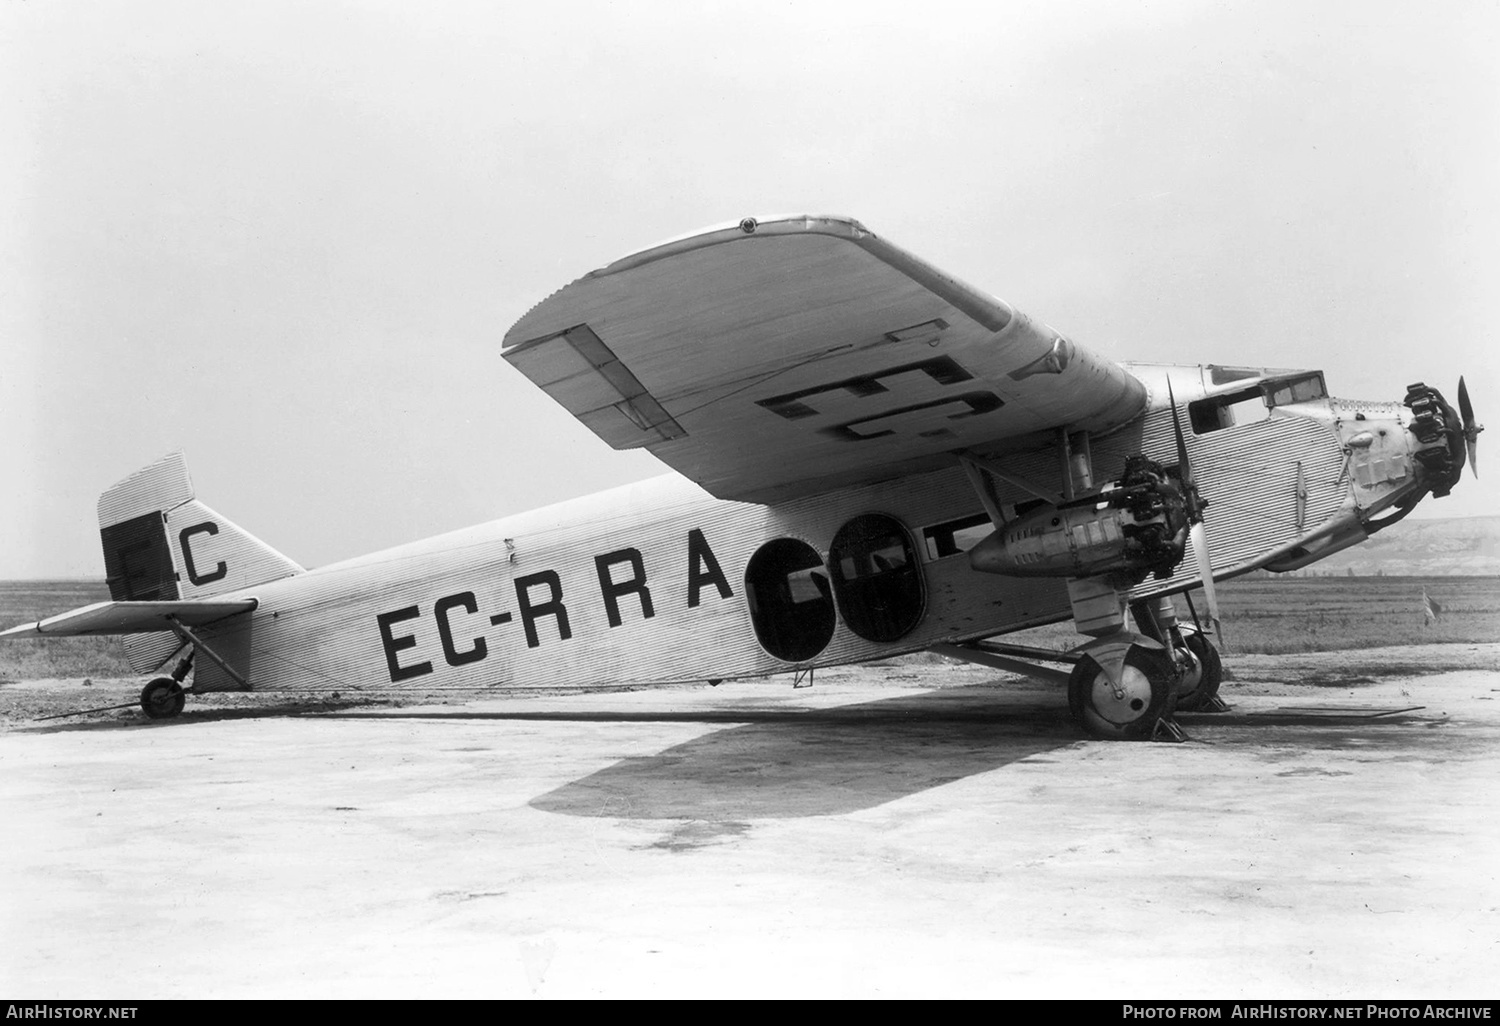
955 536
791 603
1249 405
1232 409
876 578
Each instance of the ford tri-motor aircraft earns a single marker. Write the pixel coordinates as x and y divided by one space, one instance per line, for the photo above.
871 458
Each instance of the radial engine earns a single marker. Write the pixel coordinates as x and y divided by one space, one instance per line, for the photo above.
1136 527
1441 433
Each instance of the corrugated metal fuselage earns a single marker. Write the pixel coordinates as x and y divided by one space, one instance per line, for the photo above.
648 583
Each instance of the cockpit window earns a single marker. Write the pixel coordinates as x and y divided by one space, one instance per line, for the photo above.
1249 405
1231 409
1295 390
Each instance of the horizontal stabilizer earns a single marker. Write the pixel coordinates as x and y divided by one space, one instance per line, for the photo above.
132 617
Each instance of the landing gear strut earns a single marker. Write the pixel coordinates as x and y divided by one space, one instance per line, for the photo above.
1105 542
1128 686
1197 668
1199 690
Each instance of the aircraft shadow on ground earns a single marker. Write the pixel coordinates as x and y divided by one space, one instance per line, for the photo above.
772 763
793 764
782 763
765 762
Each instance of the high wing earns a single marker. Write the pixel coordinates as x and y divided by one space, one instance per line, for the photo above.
133 617
772 359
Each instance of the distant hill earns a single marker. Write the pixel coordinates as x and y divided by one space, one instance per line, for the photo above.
1466 546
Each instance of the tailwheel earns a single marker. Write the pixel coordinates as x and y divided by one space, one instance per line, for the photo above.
1199 687
163 698
1129 710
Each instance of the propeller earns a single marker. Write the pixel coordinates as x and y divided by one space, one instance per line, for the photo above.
1471 426
1197 534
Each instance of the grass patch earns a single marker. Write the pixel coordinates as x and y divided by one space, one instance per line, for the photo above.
1287 615
38 658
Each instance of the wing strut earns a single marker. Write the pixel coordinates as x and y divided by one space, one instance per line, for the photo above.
189 637
975 466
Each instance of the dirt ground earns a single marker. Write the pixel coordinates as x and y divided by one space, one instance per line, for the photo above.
29 704
904 830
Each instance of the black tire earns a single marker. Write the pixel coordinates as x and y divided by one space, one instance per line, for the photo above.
1208 671
1147 696
162 699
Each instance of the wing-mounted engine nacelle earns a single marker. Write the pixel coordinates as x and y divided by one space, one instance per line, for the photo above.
1127 530
1439 432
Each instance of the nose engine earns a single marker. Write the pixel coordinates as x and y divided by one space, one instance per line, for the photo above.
1445 437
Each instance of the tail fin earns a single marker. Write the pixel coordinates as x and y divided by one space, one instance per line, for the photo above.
162 543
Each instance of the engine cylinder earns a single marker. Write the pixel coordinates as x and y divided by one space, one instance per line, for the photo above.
1438 435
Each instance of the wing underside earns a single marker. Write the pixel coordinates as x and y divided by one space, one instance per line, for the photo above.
773 359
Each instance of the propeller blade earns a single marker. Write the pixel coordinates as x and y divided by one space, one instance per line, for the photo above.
1199 538
1471 427
1198 534
1182 453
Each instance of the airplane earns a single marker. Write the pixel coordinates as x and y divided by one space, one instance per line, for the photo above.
869 458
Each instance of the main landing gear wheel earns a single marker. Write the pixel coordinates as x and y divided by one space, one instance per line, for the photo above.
1205 676
162 699
1130 711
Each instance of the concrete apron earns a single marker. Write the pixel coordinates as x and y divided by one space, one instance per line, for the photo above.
853 839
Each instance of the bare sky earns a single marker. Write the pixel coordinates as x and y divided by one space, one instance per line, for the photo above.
288 237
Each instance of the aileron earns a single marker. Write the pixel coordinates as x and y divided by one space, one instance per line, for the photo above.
578 370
